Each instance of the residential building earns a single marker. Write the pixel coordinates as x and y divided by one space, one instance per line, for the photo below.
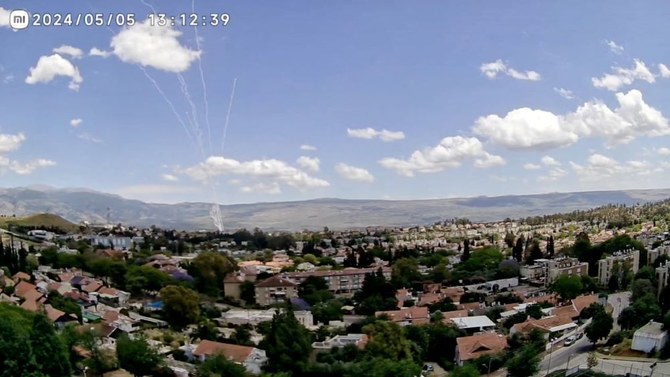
628 257
41 234
473 324
649 338
254 316
662 273
475 346
653 254
546 271
348 280
553 326
251 358
407 316
113 242
276 290
358 340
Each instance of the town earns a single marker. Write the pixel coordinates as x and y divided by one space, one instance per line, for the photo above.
585 292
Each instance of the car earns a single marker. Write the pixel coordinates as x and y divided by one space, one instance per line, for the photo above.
427 368
569 341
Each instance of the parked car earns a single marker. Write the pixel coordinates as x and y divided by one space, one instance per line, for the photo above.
427 368
569 341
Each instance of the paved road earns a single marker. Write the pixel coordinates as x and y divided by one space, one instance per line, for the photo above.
576 354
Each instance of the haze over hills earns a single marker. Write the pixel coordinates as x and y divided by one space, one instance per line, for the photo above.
83 204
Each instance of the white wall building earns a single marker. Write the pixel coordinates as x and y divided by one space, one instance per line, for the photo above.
649 338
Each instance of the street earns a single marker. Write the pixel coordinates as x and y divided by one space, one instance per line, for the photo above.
576 354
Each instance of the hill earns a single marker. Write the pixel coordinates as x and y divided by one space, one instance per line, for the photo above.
40 221
77 205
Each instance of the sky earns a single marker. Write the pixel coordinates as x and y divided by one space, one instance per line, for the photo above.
297 100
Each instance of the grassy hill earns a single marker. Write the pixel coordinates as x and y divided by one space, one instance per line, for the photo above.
40 221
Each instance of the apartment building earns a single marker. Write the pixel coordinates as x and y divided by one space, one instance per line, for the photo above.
630 257
546 271
275 290
348 280
662 273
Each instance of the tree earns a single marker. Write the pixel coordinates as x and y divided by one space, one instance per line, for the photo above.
567 287
592 360
517 251
379 367
640 288
248 292
48 349
508 268
180 305
467 370
314 289
600 326
387 341
466 250
550 247
534 252
524 363
509 239
405 271
136 356
287 344
220 366
534 311
209 269
144 278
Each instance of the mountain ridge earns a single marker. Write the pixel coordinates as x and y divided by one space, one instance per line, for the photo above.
81 204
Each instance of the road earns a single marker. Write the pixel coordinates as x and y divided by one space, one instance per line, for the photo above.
576 354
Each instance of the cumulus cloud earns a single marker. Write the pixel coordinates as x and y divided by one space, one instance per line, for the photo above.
169 177
600 168
531 166
353 173
526 128
98 52
614 47
309 163
549 161
663 151
262 188
450 153
10 143
624 76
565 93
49 67
153 46
76 122
73 52
307 147
371 133
664 71
491 70
269 168
4 17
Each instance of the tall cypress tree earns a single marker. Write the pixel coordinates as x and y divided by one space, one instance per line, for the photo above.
466 250
550 247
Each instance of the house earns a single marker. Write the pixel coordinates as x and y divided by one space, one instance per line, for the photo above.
232 284
475 346
407 316
447 316
649 338
252 358
473 324
552 326
275 290
21 276
254 316
358 340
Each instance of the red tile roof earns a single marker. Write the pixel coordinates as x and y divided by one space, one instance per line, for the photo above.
277 281
417 315
233 352
22 288
475 346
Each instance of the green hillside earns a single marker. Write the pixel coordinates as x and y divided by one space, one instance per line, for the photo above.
44 221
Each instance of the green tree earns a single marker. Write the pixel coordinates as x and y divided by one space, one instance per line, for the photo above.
144 278
534 252
48 349
387 341
380 367
467 370
314 289
534 311
180 305
287 344
248 292
466 250
405 271
209 269
220 366
600 326
136 356
642 287
567 287
524 363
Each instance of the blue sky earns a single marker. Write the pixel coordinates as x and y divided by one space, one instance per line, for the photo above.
339 99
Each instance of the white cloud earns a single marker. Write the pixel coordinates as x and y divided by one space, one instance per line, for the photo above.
371 133
600 168
98 52
664 71
48 67
4 17
29 167
169 177
624 76
615 48
10 143
353 173
73 52
526 128
565 93
549 161
262 188
76 122
88 137
450 153
554 175
663 151
307 147
270 168
491 70
309 163
8 78
153 46
530 166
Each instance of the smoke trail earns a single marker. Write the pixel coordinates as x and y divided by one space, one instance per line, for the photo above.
230 106
204 85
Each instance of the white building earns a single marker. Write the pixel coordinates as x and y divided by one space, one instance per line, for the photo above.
474 324
629 257
649 338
